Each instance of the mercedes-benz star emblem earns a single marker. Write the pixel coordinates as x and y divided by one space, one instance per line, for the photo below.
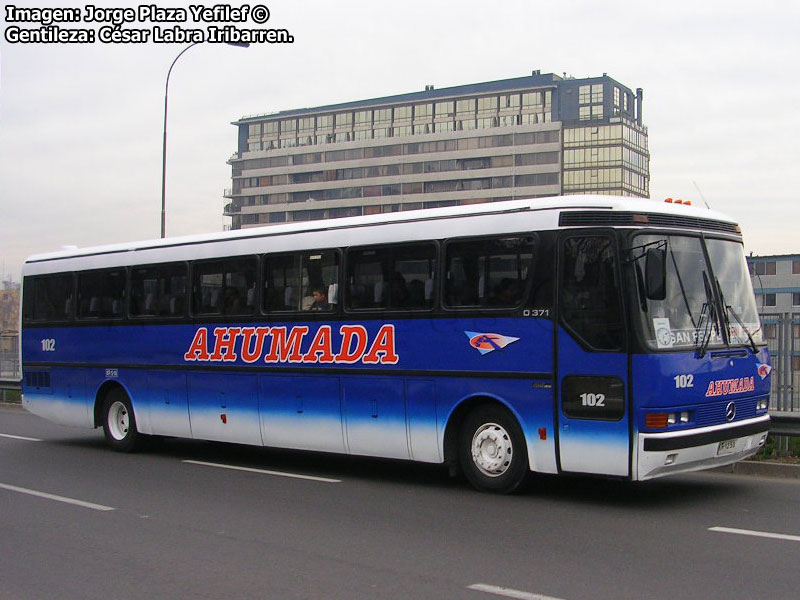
730 411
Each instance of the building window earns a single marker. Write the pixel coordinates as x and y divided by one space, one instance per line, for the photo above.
445 109
344 120
289 126
487 104
796 267
307 124
770 331
465 107
363 117
769 300
383 115
509 102
402 112
585 94
765 267
423 111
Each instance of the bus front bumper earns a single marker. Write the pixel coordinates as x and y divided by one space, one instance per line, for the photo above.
660 454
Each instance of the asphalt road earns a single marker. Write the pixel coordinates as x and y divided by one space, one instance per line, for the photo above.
80 521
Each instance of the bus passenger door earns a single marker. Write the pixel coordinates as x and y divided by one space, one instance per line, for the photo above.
591 360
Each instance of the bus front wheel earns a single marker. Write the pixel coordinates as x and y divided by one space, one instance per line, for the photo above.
119 422
492 450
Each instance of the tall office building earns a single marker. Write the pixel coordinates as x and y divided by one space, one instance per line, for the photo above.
541 135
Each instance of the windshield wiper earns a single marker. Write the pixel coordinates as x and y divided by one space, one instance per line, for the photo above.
753 345
711 321
706 336
729 309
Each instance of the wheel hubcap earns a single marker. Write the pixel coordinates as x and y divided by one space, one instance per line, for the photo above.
491 449
118 420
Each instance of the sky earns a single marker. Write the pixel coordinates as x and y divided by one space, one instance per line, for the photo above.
81 125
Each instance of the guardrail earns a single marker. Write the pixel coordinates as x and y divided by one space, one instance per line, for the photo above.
784 423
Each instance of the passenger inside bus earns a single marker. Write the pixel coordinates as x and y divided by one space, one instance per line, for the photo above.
319 293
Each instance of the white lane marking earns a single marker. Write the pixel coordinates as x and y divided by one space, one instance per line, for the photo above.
262 471
19 437
508 592
764 534
21 490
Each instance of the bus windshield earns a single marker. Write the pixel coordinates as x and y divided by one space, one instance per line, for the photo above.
705 305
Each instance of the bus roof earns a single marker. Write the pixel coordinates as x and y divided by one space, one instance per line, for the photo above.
578 205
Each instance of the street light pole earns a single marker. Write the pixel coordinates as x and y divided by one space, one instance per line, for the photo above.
164 146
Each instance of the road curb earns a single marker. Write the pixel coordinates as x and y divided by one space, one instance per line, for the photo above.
762 469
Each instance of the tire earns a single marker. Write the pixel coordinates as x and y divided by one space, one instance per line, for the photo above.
119 423
492 451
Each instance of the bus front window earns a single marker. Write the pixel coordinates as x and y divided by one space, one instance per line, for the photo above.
730 271
687 317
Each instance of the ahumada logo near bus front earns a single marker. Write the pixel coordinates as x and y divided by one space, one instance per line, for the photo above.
285 345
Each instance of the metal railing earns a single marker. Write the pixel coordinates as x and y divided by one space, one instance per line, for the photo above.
10 390
9 355
782 334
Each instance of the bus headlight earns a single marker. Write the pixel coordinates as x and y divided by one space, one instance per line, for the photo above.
664 420
762 404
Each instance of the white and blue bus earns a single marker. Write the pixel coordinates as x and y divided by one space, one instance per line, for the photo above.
592 335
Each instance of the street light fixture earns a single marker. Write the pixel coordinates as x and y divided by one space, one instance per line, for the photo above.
164 147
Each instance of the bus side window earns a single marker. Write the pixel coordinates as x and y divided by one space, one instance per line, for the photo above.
221 286
589 299
398 277
487 272
290 280
158 290
101 294
48 298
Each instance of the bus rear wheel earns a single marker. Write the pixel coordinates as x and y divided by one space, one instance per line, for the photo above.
492 450
119 422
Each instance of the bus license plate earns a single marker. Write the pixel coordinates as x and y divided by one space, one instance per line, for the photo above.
726 447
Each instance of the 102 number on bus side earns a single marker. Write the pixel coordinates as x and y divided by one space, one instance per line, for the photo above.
593 400
48 345
683 382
